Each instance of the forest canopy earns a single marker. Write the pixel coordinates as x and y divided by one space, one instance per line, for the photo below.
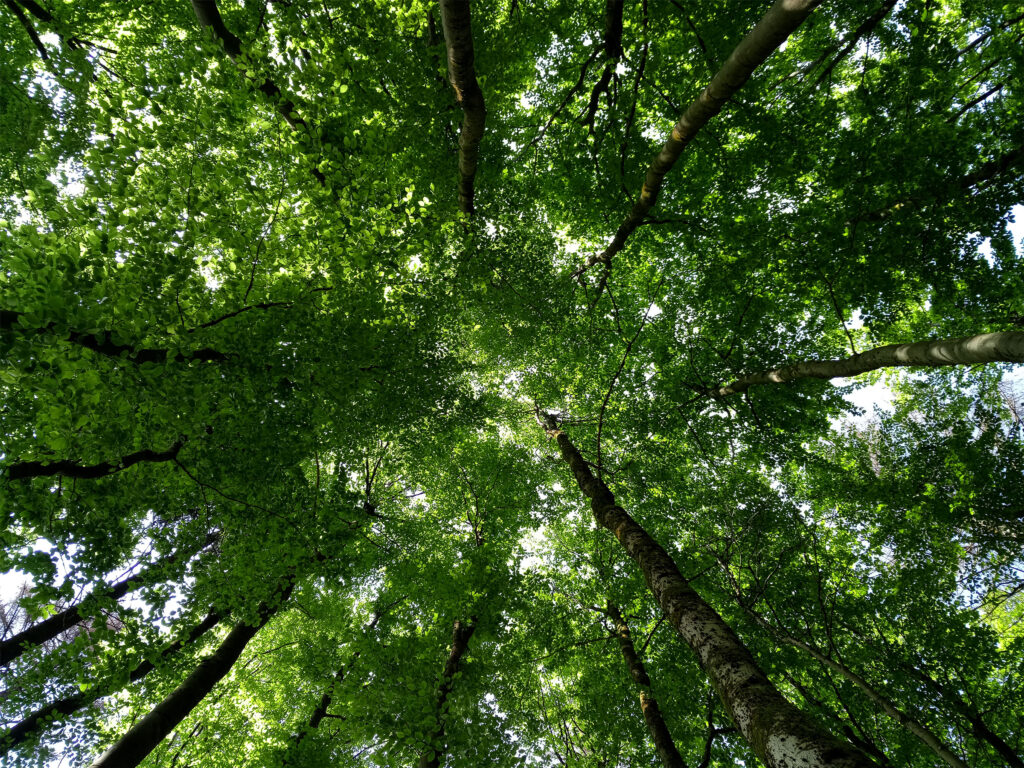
451 383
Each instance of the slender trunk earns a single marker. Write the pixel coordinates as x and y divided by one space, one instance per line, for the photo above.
663 743
461 633
779 733
143 737
1002 347
67 706
859 34
458 39
926 736
955 700
47 630
781 20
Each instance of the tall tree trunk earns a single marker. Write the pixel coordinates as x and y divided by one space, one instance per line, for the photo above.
62 708
461 633
663 743
925 735
1002 347
50 628
143 737
779 733
458 39
781 20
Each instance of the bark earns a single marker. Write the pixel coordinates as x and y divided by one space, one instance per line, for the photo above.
926 736
209 18
779 733
781 20
67 706
144 736
44 631
1002 347
663 743
102 342
25 469
458 39
461 633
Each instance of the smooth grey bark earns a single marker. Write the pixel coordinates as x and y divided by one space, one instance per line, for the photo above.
781 20
780 734
458 40
1001 347
43 631
664 745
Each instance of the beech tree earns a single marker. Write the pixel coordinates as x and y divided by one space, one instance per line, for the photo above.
458 383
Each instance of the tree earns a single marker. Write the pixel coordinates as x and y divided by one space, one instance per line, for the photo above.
394 384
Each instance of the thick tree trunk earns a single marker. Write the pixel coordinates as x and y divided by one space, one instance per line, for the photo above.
143 737
461 633
663 743
781 20
69 705
779 733
926 736
50 628
1002 347
458 39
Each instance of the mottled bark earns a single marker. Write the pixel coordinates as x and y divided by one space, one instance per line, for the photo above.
660 735
458 39
461 633
911 724
779 733
48 629
1002 347
67 706
781 20
102 342
25 469
147 732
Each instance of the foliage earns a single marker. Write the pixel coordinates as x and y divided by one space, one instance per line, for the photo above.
249 339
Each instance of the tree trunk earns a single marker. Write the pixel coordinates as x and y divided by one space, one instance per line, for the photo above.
1002 347
458 39
70 704
143 737
663 743
779 733
781 20
44 631
461 634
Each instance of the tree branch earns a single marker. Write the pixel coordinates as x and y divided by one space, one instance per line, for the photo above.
1001 347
